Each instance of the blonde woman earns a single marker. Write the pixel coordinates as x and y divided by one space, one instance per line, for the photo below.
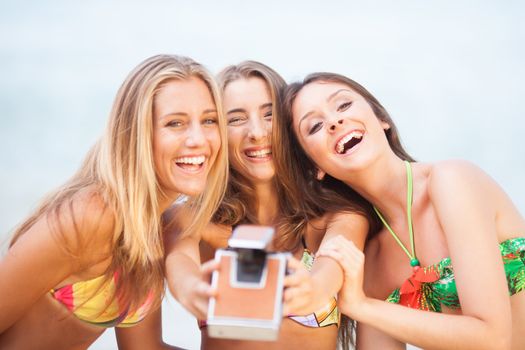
260 191
91 256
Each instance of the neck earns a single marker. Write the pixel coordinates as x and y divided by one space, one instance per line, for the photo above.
166 200
267 203
384 185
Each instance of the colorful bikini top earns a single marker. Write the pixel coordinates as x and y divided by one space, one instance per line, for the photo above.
325 316
434 286
431 287
94 302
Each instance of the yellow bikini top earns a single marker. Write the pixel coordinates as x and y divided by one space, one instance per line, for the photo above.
94 302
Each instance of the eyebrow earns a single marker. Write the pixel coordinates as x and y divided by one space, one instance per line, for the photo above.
183 114
236 110
331 96
336 93
266 105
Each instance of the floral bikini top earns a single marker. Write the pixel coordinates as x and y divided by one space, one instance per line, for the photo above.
329 314
430 288
94 302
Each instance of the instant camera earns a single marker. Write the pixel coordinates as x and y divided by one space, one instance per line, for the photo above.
249 284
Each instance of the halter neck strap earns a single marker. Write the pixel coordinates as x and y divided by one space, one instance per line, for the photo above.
412 257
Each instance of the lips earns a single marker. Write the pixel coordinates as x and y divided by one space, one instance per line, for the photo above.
191 163
348 141
259 153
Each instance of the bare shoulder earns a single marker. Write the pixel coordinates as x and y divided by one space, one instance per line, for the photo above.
454 177
96 216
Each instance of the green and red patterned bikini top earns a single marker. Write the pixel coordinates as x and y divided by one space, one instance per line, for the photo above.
430 288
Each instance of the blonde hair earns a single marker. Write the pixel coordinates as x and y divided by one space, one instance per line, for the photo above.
121 168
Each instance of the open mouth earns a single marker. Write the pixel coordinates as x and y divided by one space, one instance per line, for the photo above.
190 163
258 154
349 141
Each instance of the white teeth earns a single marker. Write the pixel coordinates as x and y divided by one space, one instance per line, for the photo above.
340 147
191 160
259 153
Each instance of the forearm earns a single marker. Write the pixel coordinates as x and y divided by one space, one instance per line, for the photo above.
182 271
430 330
327 278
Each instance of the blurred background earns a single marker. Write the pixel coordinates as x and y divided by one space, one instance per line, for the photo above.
450 73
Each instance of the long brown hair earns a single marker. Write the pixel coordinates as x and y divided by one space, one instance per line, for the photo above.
240 202
308 197
120 169
298 172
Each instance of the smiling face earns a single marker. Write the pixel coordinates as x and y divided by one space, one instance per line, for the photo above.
248 106
185 136
337 128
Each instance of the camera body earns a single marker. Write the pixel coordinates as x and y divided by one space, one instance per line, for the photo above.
249 284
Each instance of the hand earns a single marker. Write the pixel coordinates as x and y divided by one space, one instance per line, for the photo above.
198 293
299 290
352 261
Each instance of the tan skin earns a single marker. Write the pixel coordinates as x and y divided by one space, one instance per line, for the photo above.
458 212
31 318
246 102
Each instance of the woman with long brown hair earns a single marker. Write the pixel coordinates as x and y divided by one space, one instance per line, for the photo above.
91 256
447 269
258 194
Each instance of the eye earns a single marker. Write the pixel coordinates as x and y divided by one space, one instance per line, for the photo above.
268 116
236 120
210 121
174 123
315 128
344 106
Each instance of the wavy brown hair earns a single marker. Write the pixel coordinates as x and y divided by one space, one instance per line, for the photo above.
309 198
298 172
120 170
240 202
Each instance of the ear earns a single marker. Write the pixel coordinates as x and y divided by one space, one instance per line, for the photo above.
385 125
320 174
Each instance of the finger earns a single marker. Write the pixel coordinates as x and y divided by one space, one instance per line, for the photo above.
209 266
204 290
293 263
294 300
334 255
296 278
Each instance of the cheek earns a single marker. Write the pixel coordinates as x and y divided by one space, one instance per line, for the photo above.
234 140
158 148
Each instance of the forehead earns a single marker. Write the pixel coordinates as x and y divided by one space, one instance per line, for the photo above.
184 93
246 91
315 94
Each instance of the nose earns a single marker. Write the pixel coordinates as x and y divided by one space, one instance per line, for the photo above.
332 125
257 130
195 136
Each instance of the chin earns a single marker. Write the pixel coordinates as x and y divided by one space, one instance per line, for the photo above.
190 189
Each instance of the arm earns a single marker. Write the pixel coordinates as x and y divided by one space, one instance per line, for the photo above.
145 335
187 280
54 248
308 291
464 209
369 338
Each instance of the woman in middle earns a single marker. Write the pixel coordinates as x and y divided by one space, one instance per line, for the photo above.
262 190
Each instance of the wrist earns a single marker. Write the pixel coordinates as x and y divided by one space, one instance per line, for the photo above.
356 308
